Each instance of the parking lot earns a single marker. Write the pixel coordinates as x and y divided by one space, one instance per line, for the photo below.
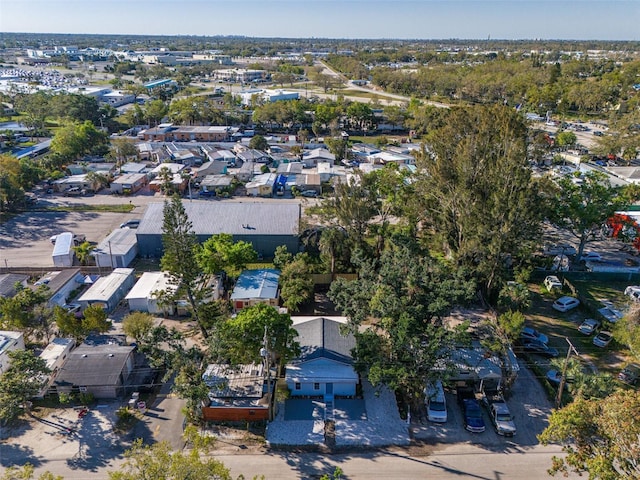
528 403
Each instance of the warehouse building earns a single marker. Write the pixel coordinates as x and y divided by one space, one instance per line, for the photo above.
265 225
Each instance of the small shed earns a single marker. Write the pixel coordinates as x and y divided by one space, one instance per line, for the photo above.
146 295
108 291
63 254
254 287
236 393
119 249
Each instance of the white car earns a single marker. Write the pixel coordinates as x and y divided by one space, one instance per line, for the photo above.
633 291
529 333
564 304
559 249
552 282
591 257
436 402
589 326
609 312
602 339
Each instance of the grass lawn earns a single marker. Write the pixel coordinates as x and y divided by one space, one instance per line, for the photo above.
122 208
559 326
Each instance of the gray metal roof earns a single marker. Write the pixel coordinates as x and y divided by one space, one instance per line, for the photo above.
104 288
118 242
235 218
8 282
322 337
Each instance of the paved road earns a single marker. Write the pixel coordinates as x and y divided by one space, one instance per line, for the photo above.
448 462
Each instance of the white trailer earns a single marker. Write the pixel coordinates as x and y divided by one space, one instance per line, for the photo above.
63 254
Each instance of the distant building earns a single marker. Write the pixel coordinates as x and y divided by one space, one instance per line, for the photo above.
168 132
129 183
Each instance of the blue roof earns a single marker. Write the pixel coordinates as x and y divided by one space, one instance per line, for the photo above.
258 284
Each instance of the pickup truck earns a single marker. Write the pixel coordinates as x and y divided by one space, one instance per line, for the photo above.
499 412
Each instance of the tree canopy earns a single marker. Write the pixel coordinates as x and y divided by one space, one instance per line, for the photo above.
20 382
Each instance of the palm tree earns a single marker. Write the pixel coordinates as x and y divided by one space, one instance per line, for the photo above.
330 241
83 252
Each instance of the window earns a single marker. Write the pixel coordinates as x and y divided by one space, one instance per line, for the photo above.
316 386
297 386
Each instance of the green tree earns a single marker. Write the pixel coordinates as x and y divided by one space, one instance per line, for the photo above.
181 250
26 472
83 252
137 325
155 111
220 253
584 208
74 140
259 143
95 320
565 139
599 436
240 339
11 186
22 311
160 462
35 107
404 294
475 193
296 284
627 331
282 257
20 382
68 324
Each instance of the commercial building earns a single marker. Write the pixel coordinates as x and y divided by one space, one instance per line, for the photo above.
265 225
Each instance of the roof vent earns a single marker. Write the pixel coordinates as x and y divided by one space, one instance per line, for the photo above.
111 355
84 355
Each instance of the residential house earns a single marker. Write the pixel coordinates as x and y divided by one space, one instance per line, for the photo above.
9 342
8 283
215 154
108 291
311 158
251 155
118 249
55 355
325 366
212 168
216 183
237 393
61 285
261 185
150 292
254 287
129 183
133 167
101 366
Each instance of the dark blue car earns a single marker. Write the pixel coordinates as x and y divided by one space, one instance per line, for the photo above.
473 420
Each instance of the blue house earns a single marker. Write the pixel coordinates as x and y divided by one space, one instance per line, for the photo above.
254 287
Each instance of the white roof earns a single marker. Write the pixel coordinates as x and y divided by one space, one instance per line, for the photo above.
64 242
320 370
55 349
105 287
151 282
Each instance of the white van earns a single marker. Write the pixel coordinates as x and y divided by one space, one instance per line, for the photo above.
436 402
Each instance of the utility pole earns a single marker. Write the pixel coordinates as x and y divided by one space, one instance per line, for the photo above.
564 372
264 353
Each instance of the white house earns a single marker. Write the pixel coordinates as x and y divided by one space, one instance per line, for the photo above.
117 250
108 291
325 366
146 295
55 354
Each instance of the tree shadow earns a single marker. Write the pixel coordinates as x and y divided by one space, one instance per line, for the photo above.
18 455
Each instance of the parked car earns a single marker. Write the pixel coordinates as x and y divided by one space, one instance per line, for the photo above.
539 348
309 193
564 304
529 333
633 291
436 402
472 413
552 282
74 192
589 326
554 376
559 249
78 238
629 374
207 193
610 313
602 339
590 257
130 224
502 420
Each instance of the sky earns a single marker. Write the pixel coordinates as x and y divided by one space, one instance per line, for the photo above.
401 19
